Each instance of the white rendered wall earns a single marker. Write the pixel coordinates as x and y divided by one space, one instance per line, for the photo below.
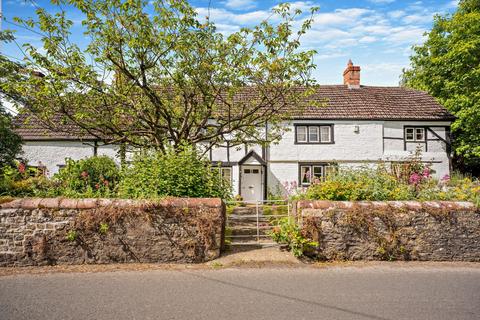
52 154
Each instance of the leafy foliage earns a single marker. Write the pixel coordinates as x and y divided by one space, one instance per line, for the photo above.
360 184
10 142
289 233
381 185
23 182
173 73
447 66
90 177
182 173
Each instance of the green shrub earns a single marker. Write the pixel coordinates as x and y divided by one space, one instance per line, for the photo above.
289 233
360 184
22 181
90 177
181 173
456 188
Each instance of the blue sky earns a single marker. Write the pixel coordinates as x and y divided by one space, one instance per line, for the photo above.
375 34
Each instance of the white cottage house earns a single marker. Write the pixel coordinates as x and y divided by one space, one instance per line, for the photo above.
359 126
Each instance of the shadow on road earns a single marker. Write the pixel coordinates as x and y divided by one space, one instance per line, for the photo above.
286 297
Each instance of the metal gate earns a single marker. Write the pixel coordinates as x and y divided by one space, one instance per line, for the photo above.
249 222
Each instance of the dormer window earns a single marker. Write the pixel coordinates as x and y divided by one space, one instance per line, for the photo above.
313 134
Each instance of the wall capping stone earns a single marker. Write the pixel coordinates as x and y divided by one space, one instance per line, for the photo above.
409 205
92 203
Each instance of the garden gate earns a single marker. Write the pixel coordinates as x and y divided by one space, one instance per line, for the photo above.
249 222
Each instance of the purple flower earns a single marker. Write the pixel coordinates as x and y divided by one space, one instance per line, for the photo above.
446 178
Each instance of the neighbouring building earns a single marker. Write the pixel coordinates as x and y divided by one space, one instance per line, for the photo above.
359 126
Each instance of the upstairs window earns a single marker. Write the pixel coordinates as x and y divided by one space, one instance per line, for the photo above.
415 134
313 134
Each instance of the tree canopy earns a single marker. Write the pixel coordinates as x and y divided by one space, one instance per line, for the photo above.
154 73
447 66
10 142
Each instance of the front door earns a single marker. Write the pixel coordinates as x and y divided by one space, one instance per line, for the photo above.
251 183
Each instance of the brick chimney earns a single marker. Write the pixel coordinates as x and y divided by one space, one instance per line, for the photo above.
351 76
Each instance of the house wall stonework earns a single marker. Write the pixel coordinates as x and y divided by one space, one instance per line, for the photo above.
92 231
394 230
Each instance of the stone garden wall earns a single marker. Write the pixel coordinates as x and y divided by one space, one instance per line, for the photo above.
435 231
78 231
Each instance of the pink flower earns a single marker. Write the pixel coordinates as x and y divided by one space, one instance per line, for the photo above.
97 186
426 173
22 167
446 178
415 178
84 174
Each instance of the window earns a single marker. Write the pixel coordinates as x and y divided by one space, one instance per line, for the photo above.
315 172
226 173
325 131
414 134
305 175
302 134
314 134
246 171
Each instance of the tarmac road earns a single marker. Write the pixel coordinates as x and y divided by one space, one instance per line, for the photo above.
374 292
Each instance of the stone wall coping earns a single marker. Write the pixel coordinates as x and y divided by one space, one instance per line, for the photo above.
92 203
410 205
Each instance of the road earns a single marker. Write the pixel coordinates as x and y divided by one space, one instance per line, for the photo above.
267 293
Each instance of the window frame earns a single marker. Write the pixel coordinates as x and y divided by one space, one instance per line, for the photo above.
306 134
318 127
222 169
325 166
414 133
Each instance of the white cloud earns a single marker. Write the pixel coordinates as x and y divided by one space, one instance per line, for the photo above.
227 17
381 1
367 39
396 14
240 4
340 17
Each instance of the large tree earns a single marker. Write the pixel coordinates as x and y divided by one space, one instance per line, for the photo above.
155 73
10 142
447 66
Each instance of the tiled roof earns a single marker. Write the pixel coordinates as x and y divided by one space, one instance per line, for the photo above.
341 103
374 103
30 127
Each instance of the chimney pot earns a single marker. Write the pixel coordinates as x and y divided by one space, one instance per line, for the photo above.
351 76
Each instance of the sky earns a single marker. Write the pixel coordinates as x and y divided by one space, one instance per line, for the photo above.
376 34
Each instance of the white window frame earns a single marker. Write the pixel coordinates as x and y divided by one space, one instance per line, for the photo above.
309 178
222 170
305 132
413 133
422 130
329 130
324 167
310 133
